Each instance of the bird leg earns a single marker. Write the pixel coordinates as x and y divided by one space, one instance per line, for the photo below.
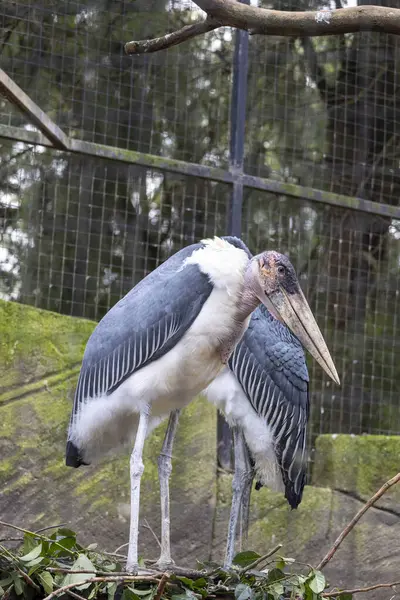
245 509
241 478
136 469
164 472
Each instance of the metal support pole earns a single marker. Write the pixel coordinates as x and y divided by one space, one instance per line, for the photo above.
238 122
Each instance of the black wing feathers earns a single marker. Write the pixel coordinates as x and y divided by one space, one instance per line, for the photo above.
269 363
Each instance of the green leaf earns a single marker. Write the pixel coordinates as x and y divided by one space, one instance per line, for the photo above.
64 532
30 542
309 594
32 554
128 594
46 580
280 564
243 559
141 593
188 595
346 597
317 582
111 567
81 563
186 581
275 575
6 581
243 592
19 584
56 547
35 561
200 583
276 590
283 561
111 589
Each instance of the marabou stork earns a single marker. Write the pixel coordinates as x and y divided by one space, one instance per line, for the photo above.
167 339
264 394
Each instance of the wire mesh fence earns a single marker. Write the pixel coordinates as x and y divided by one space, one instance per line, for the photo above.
351 280
76 231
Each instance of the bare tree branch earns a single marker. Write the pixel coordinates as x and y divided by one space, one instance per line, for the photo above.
355 519
264 21
171 39
359 590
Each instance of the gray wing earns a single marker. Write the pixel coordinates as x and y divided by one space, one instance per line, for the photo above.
270 365
140 328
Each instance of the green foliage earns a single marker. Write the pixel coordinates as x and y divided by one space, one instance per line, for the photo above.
44 564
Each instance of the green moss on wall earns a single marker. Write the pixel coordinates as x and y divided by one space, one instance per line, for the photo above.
276 522
40 357
36 343
358 464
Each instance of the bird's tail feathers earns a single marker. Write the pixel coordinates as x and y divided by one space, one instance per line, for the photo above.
73 456
292 460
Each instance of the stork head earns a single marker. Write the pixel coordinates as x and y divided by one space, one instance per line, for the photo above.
274 281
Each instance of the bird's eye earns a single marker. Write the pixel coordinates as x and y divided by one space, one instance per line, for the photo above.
281 270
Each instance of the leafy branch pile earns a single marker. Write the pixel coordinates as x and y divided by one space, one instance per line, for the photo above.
58 566
54 566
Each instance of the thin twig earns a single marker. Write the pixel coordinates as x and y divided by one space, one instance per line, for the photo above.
261 559
11 539
65 588
171 39
161 586
91 572
147 526
124 556
8 554
50 527
75 595
355 519
360 590
120 547
28 579
39 535
14 559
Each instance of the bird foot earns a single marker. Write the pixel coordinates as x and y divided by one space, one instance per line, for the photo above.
132 569
164 564
137 570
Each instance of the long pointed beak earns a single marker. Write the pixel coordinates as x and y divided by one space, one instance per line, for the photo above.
294 311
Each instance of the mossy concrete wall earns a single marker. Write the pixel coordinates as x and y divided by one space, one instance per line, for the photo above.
40 355
359 465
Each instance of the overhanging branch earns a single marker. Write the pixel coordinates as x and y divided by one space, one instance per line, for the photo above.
277 22
171 39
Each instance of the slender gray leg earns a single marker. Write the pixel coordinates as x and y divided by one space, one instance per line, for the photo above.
136 468
164 472
245 509
240 480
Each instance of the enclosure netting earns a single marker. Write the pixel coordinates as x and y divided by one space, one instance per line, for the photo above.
76 232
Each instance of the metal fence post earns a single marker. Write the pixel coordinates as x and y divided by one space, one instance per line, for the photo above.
238 121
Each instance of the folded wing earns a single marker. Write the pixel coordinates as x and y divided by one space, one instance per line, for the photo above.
270 365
